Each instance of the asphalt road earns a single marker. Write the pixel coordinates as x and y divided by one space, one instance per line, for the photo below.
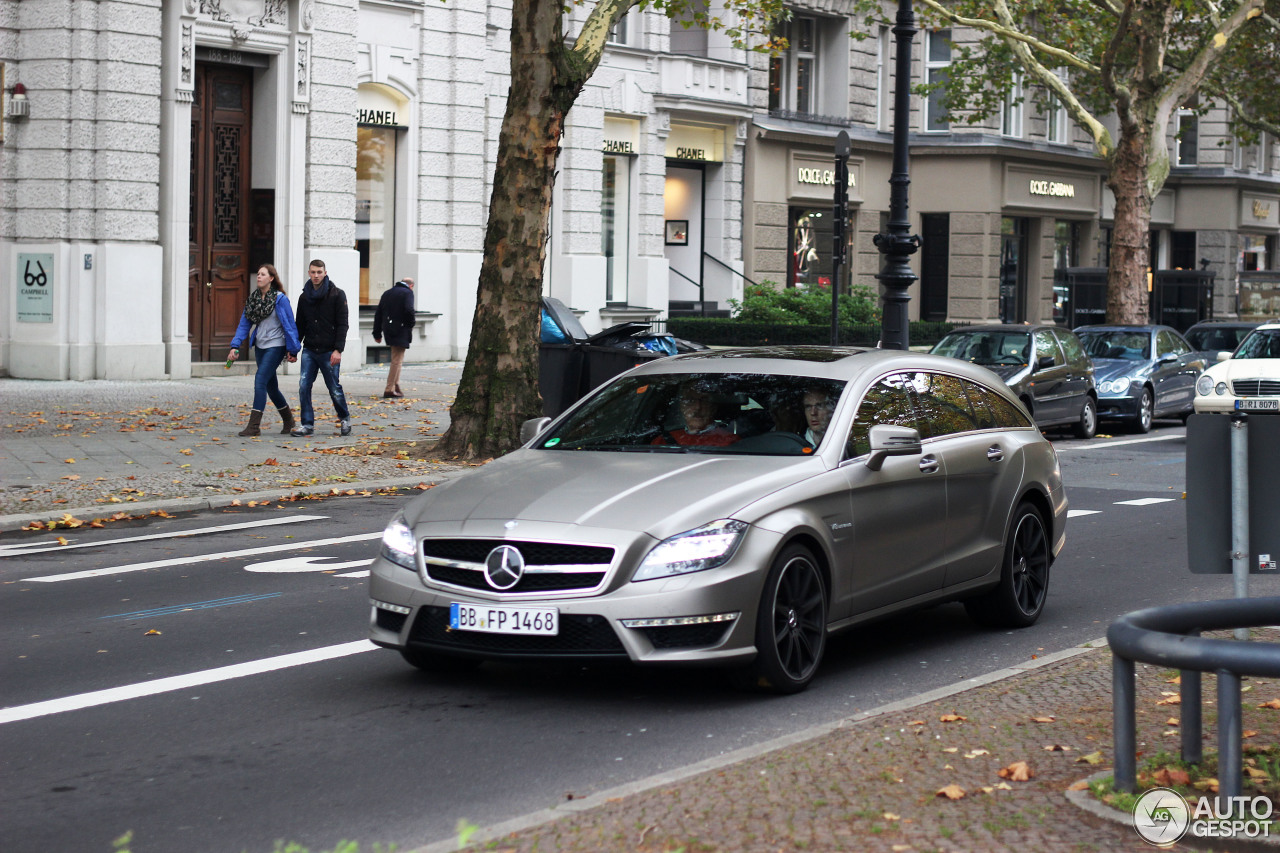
124 708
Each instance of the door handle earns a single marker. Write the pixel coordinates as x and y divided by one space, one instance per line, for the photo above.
208 284
995 453
928 464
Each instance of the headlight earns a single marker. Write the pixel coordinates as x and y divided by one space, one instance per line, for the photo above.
397 543
1114 386
1204 385
1221 388
693 551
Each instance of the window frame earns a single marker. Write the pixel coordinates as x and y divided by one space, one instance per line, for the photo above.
1188 119
931 124
1012 112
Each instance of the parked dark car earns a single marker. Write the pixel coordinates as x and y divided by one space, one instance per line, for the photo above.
1046 366
1215 336
1143 372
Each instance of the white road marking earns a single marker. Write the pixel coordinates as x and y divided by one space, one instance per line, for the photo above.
1076 513
1099 445
179 682
360 574
203 558
39 547
1143 501
303 564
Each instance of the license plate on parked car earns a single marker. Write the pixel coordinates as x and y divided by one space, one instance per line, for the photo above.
496 619
1258 405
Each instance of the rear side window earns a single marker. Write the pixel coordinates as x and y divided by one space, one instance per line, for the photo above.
944 405
886 402
1004 414
1071 346
1045 345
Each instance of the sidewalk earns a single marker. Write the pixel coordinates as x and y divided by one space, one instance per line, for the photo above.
871 782
91 449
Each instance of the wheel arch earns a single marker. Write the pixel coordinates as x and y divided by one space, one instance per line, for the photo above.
1040 501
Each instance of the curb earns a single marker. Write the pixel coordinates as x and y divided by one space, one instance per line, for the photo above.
548 815
215 501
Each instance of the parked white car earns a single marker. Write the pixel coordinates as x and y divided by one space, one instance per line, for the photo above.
1247 380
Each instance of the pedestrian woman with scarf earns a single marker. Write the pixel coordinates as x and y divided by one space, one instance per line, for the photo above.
275 339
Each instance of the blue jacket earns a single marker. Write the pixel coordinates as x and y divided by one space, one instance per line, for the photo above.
285 312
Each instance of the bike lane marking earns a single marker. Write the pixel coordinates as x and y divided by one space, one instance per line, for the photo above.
180 682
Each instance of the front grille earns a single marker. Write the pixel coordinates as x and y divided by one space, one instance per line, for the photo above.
686 636
542 559
551 582
580 635
535 553
1255 387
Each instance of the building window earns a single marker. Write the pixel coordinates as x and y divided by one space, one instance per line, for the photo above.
809 245
690 40
1253 252
1011 111
375 210
792 73
1066 244
1188 140
1182 250
884 74
937 62
1056 116
615 227
626 32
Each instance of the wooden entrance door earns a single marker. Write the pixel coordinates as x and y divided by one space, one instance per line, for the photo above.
219 277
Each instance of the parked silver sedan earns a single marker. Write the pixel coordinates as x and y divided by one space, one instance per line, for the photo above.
733 508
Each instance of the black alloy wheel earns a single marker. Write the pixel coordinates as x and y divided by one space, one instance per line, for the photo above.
791 625
1146 412
1018 599
1087 425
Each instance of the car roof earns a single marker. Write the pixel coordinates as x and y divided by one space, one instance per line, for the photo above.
819 362
1231 324
1006 327
1125 327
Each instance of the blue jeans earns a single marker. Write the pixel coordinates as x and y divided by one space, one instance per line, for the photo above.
313 360
264 383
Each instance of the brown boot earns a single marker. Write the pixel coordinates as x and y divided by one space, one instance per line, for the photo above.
255 424
286 415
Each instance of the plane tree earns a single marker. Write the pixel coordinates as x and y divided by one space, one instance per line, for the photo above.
1127 65
550 66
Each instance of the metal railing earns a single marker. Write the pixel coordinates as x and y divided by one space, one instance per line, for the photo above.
1170 636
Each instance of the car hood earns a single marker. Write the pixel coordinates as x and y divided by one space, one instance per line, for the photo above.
1245 368
1113 368
658 493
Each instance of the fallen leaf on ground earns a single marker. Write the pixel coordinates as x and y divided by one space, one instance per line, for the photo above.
1018 771
152 632
1167 776
1082 785
921 722
1091 758
951 792
1055 747
62 540
69 461
1170 700
951 749
1042 719
1206 785
891 816
1255 773
1003 786
1249 733
71 477
1274 704
952 718
1172 721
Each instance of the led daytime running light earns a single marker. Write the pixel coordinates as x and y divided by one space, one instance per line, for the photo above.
674 621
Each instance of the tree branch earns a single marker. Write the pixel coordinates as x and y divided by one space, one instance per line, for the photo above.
1242 113
1177 93
1009 34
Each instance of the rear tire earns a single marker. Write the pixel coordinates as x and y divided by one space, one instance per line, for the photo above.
1087 425
791 624
1018 599
429 661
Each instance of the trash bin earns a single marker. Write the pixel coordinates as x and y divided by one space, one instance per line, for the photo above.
559 376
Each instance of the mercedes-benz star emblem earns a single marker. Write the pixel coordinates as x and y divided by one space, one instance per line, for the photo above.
504 567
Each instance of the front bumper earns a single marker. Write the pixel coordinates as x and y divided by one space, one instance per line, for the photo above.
1118 408
591 621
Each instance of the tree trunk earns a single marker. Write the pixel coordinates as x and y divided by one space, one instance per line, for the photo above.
1127 295
499 386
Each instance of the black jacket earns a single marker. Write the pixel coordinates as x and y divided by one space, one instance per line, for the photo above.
322 317
394 317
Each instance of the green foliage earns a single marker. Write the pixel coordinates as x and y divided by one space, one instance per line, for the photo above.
714 331
766 303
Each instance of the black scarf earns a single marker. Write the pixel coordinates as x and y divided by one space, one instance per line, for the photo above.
310 291
260 305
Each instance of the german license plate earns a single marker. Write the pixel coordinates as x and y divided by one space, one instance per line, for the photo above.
497 619
1258 405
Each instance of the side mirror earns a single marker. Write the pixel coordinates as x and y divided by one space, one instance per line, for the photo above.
889 441
1167 358
529 429
1224 356
1044 362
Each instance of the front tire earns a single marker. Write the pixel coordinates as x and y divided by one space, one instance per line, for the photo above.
1087 425
1018 598
1146 412
791 624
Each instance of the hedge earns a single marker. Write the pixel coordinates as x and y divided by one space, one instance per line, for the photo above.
718 331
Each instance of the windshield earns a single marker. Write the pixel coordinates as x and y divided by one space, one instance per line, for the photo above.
1216 339
1132 346
986 347
703 413
1260 344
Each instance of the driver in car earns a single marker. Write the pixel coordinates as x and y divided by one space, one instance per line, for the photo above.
818 406
698 408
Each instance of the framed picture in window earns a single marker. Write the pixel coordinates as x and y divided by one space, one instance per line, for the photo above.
677 232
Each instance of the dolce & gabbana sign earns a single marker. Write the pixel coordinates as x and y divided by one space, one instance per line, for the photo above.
813 176
1051 190
1061 189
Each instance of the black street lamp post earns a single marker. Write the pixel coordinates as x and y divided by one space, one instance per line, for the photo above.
838 240
898 244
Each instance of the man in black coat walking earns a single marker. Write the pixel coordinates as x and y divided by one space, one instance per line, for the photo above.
322 325
394 319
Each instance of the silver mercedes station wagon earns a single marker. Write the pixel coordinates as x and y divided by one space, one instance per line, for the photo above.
733 508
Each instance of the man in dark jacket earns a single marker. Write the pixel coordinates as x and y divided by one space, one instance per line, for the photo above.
394 318
322 325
